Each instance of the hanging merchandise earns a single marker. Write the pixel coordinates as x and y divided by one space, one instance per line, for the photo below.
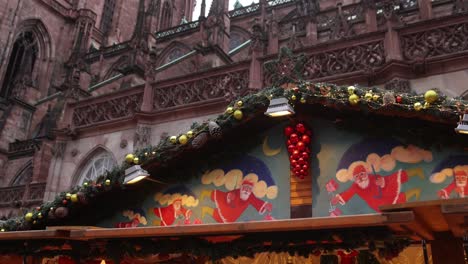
297 143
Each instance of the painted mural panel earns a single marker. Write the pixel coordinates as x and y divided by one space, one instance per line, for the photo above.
251 188
358 173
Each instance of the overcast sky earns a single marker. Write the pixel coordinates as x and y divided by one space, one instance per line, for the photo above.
196 12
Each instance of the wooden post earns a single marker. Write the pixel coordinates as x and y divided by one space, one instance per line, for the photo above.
447 250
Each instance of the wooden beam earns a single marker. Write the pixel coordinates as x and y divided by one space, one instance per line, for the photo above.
303 224
35 234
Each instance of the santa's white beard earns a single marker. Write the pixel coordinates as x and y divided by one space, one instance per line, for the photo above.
461 184
244 196
363 184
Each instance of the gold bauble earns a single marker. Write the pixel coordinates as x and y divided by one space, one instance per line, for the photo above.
240 103
351 90
190 134
153 153
238 114
173 139
34 222
183 139
270 97
68 196
2 230
107 182
368 96
375 97
28 217
354 99
136 160
293 97
85 184
39 215
74 198
418 106
229 110
426 105
129 158
303 101
431 96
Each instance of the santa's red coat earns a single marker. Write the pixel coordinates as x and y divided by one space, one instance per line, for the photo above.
229 212
376 196
168 214
462 191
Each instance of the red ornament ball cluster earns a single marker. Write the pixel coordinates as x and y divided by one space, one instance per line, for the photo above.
298 147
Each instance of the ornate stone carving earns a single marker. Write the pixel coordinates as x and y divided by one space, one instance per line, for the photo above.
123 143
435 42
234 83
59 149
111 109
142 136
350 59
258 37
398 85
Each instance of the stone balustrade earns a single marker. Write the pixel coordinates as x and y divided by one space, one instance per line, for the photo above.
23 195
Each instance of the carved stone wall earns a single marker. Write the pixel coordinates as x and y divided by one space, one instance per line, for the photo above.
114 108
199 90
142 136
435 42
398 85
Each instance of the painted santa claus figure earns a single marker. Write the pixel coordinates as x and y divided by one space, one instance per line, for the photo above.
174 213
230 205
458 184
375 190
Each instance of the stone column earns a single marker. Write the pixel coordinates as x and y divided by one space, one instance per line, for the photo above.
425 9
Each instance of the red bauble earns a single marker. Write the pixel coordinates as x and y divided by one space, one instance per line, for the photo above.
399 99
288 142
288 131
296 89
298 167
291 148
300 146
64 202
305 167
301 128
302 172
293 163
294 138
301 161
305 155
306 139
295 154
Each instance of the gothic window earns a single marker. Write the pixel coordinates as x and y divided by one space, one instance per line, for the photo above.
175 54
96 165
166 17
107 16
235 40
21 64
24 176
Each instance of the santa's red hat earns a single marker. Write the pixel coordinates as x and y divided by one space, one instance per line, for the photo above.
460 172
247 182
358 169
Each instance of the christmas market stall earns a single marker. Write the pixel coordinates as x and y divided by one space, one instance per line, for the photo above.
297 173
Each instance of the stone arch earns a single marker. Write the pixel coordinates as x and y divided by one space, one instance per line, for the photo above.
237 36
24 175
173 51
114 68
94 164
45 52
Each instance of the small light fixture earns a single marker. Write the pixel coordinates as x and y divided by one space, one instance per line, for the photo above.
279 107
462 127
135 174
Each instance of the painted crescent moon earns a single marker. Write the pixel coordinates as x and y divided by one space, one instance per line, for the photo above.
269 151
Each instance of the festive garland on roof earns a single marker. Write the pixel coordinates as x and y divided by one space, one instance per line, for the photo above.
432 106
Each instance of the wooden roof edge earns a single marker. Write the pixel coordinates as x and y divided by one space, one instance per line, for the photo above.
286 225
283 225
457 202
